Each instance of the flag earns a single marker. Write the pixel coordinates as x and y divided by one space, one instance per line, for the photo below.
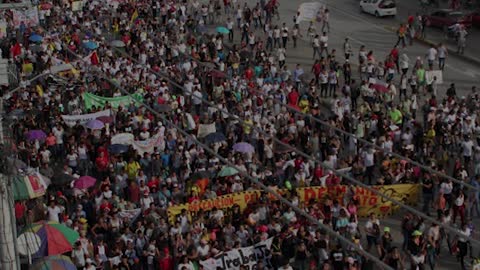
39 90
94 59
134 17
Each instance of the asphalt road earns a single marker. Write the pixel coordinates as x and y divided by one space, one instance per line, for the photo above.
363 29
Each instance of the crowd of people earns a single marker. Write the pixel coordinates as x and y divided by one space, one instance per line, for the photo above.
170 55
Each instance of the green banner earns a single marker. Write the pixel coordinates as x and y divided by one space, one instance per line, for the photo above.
99 102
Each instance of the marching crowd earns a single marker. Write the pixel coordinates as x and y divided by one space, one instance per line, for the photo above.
170 56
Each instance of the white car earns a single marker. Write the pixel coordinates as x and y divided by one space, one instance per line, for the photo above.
379 8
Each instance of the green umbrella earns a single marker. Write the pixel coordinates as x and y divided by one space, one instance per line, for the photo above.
227 171
222 30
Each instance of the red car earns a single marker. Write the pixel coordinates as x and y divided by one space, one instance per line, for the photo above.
444 18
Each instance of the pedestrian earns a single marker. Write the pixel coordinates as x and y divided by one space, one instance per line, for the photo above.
372 230
230 26
427 192
462 40
276 37
284 35
401 33
442 55
295 36
431 56
326 20
324 44
281 53
347 49
316 47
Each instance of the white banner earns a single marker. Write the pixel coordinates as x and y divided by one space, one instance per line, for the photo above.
204 130
232 260
308 11
141 147
29 17
71 120
130 214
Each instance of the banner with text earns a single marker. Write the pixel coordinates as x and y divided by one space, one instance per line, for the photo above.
100 102
71 120
3 29
28 17
247 256
368 202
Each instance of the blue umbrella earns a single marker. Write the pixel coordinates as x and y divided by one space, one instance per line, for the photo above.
90 45
118 149
35 38
222 30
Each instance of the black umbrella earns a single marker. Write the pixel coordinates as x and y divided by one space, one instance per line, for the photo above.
16 114
62 179
163 108
201 175
215 137
117 149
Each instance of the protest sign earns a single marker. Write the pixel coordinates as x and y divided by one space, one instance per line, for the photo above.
147 146
72 120
247 256
430 74
3 29
205 129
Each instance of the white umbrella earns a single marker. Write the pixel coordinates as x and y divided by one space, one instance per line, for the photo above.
28 243
118 43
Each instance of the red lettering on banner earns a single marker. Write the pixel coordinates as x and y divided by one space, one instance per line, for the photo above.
373 200
309 193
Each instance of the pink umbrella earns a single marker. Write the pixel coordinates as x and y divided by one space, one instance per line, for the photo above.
105 119
85 182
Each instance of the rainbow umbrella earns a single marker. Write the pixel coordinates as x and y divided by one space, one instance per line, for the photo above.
54 263
56 238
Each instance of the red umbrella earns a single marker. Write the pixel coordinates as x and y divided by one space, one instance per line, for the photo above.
85 182
46 6
380 87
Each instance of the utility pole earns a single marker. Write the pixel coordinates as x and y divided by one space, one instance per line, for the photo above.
9 259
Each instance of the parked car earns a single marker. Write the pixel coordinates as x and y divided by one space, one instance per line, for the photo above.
444 18
379 8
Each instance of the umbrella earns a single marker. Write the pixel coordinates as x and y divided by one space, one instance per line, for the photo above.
227 171
243 147
62 179
163 108
90 45
54 263
380 87
35 38
105 119
46 6
118 43
16 114
16 163
222 30
215 137
201 175
216 74
85 182
36 134
56 238
118 148
28 243
95 124
245 55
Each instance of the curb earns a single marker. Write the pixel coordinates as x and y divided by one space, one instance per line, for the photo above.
451 51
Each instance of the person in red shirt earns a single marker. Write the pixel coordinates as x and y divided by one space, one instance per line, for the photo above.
293 98
166 262
316 70
394 53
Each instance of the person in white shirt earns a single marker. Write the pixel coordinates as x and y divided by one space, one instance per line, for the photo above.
53 211
324 44
316 46
431 56
467 150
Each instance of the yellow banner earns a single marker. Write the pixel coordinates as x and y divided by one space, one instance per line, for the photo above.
368 202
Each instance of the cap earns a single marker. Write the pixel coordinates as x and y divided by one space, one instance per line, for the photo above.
386 229
417 233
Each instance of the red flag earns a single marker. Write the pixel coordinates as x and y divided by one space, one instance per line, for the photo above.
94 59
16 50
